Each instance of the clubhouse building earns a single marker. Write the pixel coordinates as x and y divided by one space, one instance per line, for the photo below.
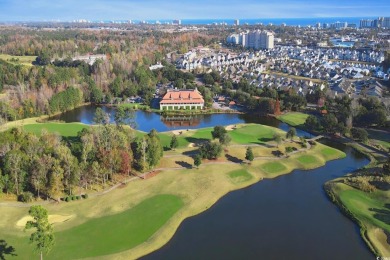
182 99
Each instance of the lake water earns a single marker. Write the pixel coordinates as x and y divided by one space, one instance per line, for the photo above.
289 217
146 121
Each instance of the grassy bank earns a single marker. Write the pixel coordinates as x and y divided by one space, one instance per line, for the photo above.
63 129
370 210
364 196
143 215
293 118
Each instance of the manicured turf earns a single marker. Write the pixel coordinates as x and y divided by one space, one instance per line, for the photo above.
307 159
252 134
273 167
64 129
21 60
293 118
366 208
110 234
124 230
239 176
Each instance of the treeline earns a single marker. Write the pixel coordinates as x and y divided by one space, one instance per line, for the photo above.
65 100
47 166
344 114
124 73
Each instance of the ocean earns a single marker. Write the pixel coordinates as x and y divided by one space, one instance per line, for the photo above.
266 21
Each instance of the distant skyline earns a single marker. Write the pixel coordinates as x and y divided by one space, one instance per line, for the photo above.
67 10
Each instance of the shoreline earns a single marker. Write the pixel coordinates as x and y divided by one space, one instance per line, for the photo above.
199 190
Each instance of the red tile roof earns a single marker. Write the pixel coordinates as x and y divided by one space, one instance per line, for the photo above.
182 97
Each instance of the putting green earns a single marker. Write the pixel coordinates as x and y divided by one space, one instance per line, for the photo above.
293 118
308 159
273 167
252 134
239 176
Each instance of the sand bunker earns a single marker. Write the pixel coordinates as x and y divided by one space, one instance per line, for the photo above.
230 127
191 145
52 219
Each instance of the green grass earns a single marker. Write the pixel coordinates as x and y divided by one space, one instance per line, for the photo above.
307 159
134 106
330 153
252 134
273 167
109 234
362 205
21 60
64 129
293 118
239 176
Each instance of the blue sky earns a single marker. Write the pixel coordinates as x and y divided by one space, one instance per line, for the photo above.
65 10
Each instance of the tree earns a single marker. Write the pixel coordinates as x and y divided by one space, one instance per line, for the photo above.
386 167
174 142
278 139
218 132
154 148
225 139
359 134
291 133
197 160
120 116
210 150
312 123
43 236
101 117
249 154
329 122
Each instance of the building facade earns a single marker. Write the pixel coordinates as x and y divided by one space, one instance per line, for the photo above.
255 39
190 99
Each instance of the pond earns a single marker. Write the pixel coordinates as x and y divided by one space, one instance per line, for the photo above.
289 217
146 121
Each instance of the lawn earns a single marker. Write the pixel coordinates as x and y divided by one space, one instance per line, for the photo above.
273 167
293 118
372 211
18 60
252 134
307 159
365 207
240 176
64 129
125 230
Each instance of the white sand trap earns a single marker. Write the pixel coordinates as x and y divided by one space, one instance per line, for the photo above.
191 145
230 127
52 219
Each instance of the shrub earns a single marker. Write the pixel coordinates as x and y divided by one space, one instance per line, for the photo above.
26 197
312 142
67 199
304 145
73 197
77 197
289 149
85 196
